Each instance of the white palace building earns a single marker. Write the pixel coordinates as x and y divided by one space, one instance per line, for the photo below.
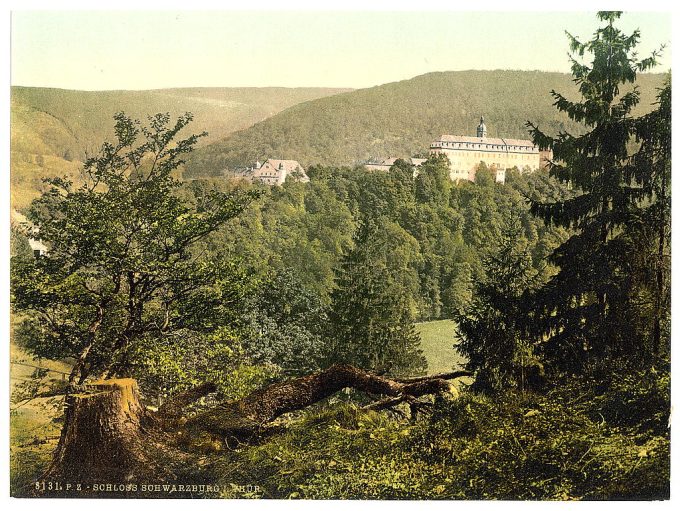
499 154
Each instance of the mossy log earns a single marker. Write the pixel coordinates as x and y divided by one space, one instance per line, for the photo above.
242 419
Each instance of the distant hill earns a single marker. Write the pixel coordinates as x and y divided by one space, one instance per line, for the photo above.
54 128
401 118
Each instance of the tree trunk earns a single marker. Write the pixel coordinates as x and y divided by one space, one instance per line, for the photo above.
658 301
106 437
176 405
78 371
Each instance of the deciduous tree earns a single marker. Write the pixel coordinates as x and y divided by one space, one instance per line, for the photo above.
121 270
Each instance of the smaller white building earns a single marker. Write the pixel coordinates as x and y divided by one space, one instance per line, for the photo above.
275 172
24 226
38 247
385 164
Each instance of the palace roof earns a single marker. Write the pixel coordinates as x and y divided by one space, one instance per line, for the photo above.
485 140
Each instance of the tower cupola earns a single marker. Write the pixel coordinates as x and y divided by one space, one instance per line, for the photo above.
481 129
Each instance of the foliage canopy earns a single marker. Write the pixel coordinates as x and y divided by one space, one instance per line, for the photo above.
121 268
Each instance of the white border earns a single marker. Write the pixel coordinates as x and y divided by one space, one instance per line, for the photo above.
377 5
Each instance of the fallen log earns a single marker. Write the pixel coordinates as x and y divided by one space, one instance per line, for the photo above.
452 375
108 435
242 419
175 406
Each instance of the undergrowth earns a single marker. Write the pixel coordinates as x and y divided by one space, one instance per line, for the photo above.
578 441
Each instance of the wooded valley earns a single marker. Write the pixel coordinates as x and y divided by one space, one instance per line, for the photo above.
363 335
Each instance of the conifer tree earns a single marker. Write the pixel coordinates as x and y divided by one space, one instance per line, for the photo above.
651 168
492 326
582 306
372 311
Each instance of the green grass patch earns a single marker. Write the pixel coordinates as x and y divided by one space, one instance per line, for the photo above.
34 423
33 438
437 341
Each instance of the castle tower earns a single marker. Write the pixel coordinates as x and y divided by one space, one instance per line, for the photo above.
481 129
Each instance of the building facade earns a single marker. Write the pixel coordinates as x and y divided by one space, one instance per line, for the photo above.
275 172
385 164
499 154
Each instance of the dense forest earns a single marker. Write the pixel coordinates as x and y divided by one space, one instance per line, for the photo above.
401 119
261 342
298 256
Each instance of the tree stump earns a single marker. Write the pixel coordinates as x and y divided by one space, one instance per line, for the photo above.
105 437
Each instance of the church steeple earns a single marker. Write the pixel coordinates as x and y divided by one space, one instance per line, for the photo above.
481 129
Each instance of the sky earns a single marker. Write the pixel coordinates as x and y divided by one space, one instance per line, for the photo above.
105 50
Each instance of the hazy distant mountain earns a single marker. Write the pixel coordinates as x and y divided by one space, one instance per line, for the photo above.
402 118
53 128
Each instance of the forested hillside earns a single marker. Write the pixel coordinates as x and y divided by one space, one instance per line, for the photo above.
402 118
52 128
223 338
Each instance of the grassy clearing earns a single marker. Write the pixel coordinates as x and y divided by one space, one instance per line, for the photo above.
33 438
437 341
34 423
